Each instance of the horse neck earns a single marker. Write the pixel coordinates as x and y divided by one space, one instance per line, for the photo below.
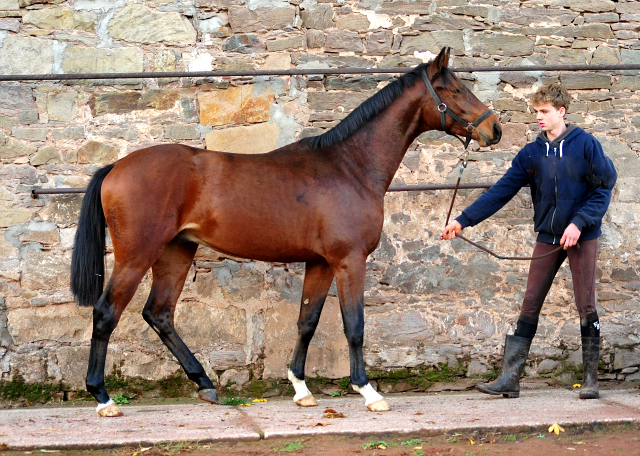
374 153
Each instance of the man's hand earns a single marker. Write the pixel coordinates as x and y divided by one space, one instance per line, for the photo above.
451 230
570 236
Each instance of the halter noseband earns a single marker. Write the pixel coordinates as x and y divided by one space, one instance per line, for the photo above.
444 109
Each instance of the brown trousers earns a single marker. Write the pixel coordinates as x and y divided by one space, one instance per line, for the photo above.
582 262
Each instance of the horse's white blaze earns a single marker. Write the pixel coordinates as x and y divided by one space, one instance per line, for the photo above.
106 404
370 395
300 386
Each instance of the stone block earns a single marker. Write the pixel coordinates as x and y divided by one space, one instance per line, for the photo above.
590 6
404 328
44 271
9 5
69 133
605 56
47 155
16 99
64 323
148 367
602 17
355 22
547 366
556 56
593 31
124 102
28 117
501 44
243 20
476 367
26 55
182 132
280 61
139 24
31 365
283 44
328 354
627 82
234 379
97 153
13 149
244 44
343 41
513 135
225 359
72 362
235 105
320 17
528 16
315 39
321 101
254 139
404 8
626 358
419 43
30 134
41 232
202 325
379 42
62 107
452 38
582 81
12 25
76 59
61 18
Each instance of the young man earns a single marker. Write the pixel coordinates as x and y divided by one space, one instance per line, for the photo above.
571 181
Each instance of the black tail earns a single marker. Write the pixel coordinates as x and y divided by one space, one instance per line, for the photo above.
87 261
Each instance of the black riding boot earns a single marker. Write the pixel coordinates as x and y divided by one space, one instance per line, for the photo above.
590 358
516 349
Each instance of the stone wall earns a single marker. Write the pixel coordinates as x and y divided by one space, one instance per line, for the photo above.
428 302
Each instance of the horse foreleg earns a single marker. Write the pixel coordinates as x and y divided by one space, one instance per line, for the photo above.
169 273
317 280
106 314
350 275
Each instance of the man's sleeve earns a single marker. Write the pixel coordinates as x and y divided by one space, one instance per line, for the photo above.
602 175
498 195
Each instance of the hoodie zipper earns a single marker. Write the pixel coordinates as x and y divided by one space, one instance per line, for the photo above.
555 208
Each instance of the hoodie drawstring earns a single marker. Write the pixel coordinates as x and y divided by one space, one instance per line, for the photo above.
547 149
561 142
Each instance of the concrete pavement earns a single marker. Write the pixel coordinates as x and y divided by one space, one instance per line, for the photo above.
423 414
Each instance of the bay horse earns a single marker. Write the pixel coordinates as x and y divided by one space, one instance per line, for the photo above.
319 201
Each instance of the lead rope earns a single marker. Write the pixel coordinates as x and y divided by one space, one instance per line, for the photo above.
463 165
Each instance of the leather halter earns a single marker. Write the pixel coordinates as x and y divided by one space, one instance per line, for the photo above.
444 110
470 127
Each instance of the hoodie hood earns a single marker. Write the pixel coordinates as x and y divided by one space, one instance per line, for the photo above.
569 132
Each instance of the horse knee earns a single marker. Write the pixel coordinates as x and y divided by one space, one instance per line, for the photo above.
355 337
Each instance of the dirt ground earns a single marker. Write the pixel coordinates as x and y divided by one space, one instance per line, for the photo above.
594 440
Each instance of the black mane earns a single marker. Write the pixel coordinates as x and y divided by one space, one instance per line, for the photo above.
366 111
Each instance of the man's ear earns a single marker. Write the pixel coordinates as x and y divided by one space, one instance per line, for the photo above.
562 111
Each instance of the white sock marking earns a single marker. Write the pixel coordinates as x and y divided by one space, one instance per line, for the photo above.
370 395
300 386
106 404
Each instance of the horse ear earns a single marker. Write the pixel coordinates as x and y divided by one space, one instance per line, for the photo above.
443 58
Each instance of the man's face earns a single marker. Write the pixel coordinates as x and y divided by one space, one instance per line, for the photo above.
549 117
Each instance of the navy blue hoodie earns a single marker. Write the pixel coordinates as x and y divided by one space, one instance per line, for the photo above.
571 182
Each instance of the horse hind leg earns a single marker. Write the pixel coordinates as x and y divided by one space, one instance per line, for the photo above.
317 280
169 273
106 314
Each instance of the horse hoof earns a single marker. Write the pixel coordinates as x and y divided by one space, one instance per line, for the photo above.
379 406
307 401
110 411
209 395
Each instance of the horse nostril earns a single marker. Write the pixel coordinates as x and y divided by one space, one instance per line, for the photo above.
497 132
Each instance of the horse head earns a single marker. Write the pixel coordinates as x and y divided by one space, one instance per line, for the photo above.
450 106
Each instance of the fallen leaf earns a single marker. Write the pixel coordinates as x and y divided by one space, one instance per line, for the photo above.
572 449
319 424
578 443
418 413
259 400
334 415
577 385
51 429
556 428
471 442
330 411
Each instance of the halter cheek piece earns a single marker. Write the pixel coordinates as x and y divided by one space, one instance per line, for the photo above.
444 110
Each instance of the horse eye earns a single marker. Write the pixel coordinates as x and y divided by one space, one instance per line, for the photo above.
456 91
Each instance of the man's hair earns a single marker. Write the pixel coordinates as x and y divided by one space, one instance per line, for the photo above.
554 94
